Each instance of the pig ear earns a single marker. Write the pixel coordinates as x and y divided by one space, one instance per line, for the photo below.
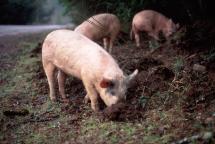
131 76
105 83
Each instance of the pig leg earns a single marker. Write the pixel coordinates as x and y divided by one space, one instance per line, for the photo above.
136 35
49 70
105 41
86 99
137 39
93 95
111 42
61 82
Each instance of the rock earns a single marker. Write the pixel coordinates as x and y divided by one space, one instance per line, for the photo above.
199 68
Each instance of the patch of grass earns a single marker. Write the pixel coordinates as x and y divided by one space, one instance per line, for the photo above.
178 65
153 44
18 76
112 132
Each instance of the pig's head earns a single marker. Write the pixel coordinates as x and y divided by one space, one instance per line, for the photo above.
114 90
171 28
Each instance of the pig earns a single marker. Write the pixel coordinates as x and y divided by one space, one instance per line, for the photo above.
152 23
104 26
72 53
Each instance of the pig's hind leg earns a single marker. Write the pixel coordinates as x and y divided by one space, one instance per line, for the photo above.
137 39
106 43
49 70
61 83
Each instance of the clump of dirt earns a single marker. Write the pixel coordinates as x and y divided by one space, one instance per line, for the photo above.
141 63
121 112
113 112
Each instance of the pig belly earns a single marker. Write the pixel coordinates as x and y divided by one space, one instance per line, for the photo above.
68 66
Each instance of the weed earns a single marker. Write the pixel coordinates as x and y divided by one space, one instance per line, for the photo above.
143 101
153 44
178 65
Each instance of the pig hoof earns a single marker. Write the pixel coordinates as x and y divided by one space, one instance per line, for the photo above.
65 100
86 99
96 109
53 99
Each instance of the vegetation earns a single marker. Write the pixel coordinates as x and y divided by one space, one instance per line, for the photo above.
28 12
180 10
25 11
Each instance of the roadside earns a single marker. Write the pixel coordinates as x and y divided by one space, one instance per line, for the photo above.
12 35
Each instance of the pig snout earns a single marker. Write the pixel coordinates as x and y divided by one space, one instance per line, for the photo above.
114 91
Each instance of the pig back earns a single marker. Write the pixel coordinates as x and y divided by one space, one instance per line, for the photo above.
99 26
149 20
74 53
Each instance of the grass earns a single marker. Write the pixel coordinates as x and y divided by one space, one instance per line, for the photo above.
178 65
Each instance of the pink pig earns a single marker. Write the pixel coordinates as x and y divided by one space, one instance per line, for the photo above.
72 53
102 26
152 23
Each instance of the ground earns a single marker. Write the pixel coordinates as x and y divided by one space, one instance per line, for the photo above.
169 101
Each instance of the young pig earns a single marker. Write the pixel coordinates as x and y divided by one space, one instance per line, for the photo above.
75 54
152 23
102 26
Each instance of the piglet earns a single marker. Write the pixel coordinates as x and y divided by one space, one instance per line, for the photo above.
153 23
72 53
104 26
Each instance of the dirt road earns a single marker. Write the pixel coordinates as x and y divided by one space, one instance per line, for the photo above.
6 30
12 35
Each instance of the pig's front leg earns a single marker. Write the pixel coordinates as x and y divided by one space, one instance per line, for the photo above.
86 99
137 39
61 82
93 95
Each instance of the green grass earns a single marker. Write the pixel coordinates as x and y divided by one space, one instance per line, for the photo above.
178 65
